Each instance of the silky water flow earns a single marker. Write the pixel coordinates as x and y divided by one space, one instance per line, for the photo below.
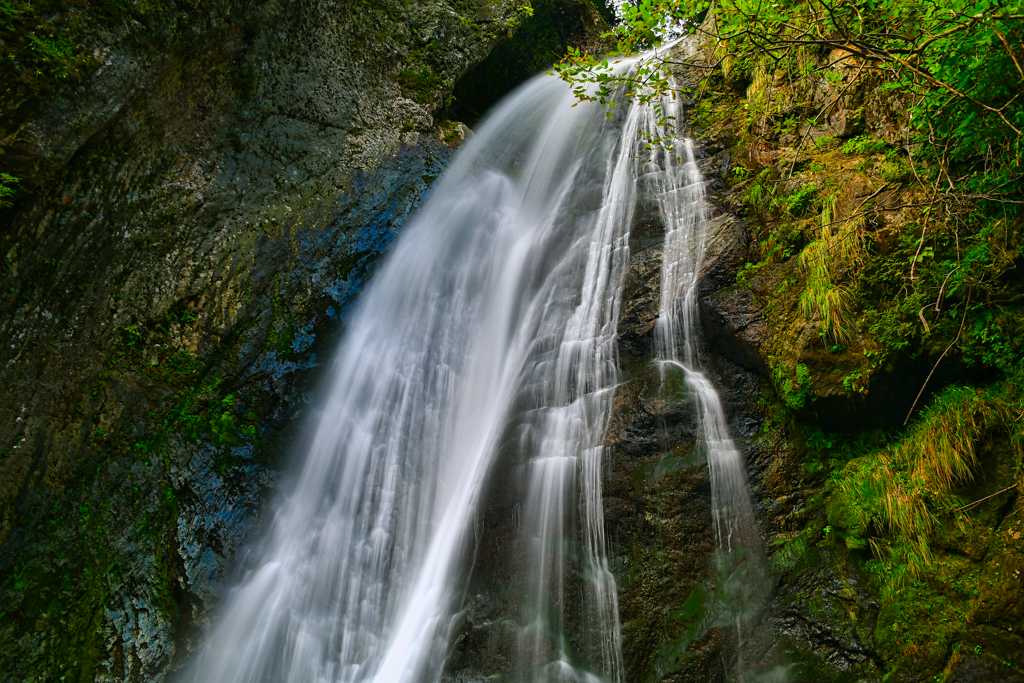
488 333
672 178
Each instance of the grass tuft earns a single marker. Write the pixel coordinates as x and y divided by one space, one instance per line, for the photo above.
827 261
7 191
902 490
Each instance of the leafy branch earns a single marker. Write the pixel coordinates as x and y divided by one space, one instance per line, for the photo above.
922 50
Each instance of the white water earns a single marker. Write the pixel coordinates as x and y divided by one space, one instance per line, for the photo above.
679 189
676 183
493 319
489 332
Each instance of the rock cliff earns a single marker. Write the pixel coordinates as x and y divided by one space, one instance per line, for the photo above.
202 191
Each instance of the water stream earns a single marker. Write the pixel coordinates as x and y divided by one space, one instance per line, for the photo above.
675 182
487 335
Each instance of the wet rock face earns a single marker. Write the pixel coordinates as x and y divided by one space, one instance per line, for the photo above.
829 612
195 220
640 293
658 515
657 491
972 669
734 326
817 622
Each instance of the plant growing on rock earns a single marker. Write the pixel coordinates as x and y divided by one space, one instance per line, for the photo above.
827 260
7 191
908 122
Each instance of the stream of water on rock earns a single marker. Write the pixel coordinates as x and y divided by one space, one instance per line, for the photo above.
675 182
489 332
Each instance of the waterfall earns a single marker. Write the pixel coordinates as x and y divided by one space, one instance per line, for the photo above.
485 344
488 334
675 181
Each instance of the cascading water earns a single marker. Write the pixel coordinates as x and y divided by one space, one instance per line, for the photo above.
489 333
679 189
492 323
675 182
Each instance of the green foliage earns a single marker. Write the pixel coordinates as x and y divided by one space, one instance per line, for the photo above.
800 201
776 242
11 10
203 413
895 172
760 191
826 260
895 497
37 44
995 338
57 52
7 192
902 489
524 11
863 145
955 64
831 304
795 389
180 364
223 423
921 619
790 552
419 83
133 334
594 80
993 335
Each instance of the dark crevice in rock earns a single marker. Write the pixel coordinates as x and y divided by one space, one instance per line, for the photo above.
536 45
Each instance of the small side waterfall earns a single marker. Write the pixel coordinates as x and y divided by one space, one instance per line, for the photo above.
679 190
675 181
